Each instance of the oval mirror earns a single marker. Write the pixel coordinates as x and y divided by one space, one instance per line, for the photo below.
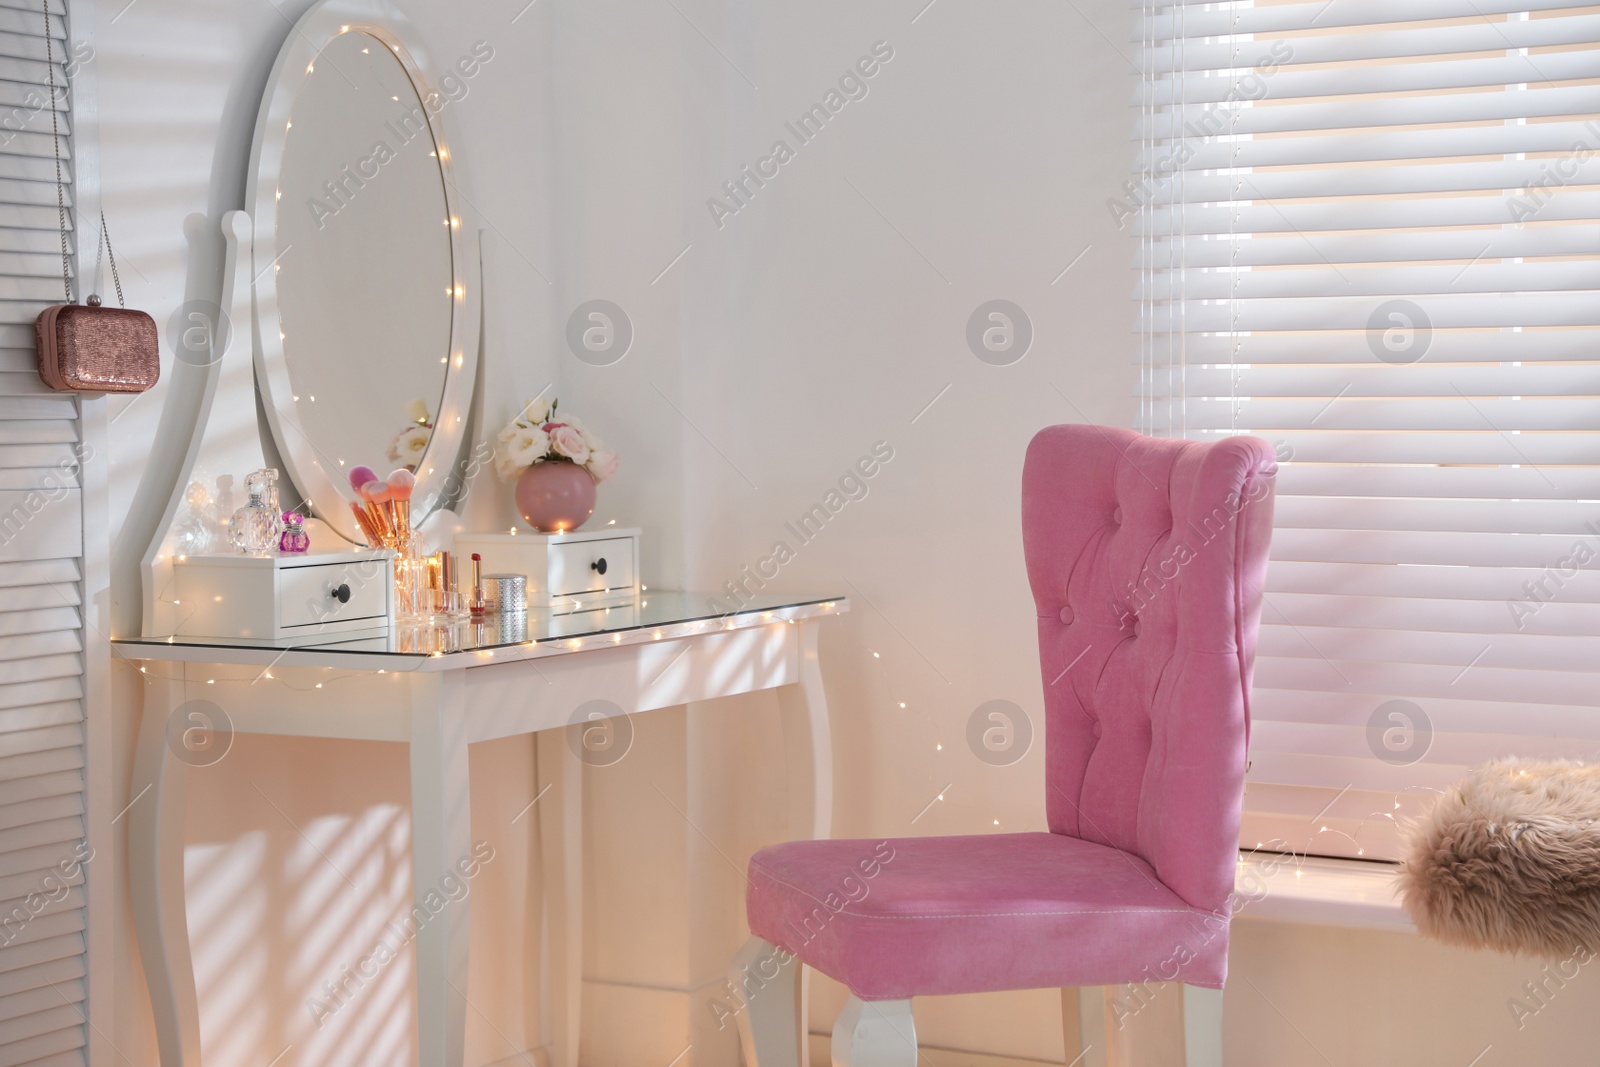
367 336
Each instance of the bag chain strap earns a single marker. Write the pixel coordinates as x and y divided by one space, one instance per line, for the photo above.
61 199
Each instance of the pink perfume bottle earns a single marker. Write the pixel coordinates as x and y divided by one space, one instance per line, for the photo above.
295 538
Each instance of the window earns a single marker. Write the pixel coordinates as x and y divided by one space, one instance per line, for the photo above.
1370 233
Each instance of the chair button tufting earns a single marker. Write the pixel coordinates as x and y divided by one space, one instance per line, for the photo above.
1096 729
1136 626
1066 614
1116 517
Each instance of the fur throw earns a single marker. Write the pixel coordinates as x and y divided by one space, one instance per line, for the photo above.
1510 860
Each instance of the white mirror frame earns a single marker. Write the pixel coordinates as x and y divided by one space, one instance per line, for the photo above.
328 490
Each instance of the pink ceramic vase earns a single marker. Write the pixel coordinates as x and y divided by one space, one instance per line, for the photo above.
555 495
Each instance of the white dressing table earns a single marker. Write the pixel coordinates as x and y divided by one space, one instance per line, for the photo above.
499 681
353 281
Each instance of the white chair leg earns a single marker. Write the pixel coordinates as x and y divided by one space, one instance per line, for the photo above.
1202 1026
766 986
875 1033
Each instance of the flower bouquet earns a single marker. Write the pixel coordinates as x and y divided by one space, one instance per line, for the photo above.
556 463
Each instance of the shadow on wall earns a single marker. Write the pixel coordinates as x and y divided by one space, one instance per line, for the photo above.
301 915
281 886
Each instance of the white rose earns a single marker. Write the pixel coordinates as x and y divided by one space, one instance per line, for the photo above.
567 441
535 411
519 447
529 446
602 464
505 468
504 465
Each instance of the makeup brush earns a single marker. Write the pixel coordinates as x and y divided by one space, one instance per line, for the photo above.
378 497
367 529
401 485
360 476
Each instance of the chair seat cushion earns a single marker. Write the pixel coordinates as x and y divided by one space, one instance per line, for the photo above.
920 916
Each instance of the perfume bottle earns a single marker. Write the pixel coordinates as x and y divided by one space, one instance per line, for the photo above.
266 480
294 537
252 528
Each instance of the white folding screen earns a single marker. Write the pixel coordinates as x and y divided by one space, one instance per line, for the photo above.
45 673
1370 233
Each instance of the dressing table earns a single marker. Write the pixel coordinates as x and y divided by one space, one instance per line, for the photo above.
439 689
352 277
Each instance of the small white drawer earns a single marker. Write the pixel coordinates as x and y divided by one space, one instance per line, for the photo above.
591 566
332 592
565 572
279 598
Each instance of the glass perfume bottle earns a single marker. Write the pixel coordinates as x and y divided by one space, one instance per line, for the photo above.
294 537
253 527
266 481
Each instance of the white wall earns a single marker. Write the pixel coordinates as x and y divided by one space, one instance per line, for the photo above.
822 318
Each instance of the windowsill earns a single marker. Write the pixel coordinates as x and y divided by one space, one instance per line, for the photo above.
1329 892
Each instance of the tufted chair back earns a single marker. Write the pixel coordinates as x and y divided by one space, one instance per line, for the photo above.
1147 558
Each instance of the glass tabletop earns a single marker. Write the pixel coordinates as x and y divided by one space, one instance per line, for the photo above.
670 613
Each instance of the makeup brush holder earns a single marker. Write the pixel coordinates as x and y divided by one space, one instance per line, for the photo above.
411 591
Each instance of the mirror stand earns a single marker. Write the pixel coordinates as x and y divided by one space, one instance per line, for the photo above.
356 332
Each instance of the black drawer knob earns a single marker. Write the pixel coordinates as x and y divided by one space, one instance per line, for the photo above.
599 565
341 594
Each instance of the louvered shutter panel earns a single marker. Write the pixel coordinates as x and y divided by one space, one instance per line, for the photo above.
42 903
1370 233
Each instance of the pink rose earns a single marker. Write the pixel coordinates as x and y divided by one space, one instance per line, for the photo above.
602 464
567 441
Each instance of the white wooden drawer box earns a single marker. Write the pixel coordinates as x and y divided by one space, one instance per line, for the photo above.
565 572
284 598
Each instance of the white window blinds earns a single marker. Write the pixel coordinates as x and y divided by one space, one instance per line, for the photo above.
1370 233
43 901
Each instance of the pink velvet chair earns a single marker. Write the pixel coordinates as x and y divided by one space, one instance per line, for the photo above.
1146 558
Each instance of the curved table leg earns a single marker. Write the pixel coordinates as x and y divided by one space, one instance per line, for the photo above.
442 860
808 748
155 878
